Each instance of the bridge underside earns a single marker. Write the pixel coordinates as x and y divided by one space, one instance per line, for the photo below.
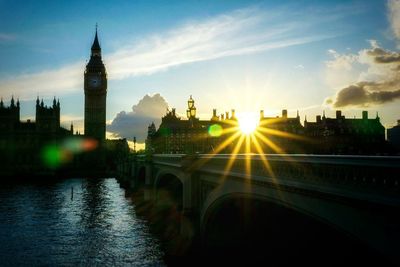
249 230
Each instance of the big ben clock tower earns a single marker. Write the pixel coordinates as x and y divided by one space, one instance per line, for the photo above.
95 94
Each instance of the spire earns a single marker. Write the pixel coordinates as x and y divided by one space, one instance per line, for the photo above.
12 101
1 103
17 102
96 50
37 101
54 102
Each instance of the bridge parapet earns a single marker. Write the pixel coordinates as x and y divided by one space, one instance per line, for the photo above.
362 177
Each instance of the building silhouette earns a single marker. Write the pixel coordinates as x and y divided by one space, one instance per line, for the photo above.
393 135
95 88
43 147
339 135
21 142
342 135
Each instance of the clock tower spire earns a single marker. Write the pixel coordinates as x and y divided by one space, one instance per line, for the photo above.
95 87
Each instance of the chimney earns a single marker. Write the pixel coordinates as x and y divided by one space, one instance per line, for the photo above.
319 118
284 113
365 115
222 117
214 112
338 114
173 112
233 114
261 114
398 122
227 115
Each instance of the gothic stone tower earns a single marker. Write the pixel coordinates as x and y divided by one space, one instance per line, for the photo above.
95 94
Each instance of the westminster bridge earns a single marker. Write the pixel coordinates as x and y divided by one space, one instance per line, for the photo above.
354 196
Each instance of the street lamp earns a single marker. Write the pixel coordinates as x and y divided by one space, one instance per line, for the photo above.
190 103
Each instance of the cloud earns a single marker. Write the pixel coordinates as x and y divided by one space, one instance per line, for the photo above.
239 32
383 56
360 95
377 84
45 83
394 17
134 123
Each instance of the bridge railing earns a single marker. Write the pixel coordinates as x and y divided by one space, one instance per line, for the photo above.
380 174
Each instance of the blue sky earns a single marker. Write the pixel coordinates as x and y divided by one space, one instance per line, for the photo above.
247 55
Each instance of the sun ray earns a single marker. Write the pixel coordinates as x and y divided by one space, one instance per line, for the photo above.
200 162
269 143
267 165
283 134
248 157
233 155
262 155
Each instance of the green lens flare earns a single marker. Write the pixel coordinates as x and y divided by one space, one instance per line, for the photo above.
215 130
52 156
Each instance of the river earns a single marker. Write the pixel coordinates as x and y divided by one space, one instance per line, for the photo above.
73 222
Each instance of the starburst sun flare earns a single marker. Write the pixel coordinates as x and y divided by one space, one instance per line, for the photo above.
248 122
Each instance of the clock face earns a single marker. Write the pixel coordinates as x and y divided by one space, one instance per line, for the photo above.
94 81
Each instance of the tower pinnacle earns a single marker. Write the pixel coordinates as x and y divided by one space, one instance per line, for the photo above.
96 50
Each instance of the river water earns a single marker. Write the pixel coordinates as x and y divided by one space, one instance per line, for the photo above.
45 224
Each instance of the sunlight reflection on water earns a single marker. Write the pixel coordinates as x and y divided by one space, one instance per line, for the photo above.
41 224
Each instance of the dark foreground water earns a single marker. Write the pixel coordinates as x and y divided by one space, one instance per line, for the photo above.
40 224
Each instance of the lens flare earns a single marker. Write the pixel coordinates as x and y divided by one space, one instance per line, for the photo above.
215 130
54 156
248 122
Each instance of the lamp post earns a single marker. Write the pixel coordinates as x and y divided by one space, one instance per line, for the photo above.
134 144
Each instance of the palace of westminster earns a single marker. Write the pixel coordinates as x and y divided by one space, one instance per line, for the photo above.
22 141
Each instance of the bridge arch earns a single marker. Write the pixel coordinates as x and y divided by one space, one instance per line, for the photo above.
253 227
168 188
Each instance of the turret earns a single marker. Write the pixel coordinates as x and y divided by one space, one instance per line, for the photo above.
214 116
233 116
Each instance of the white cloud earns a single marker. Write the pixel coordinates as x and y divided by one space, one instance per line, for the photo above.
394 17
46 83
239 32
134 123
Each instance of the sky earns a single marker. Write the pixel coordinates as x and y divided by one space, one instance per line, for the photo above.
311 56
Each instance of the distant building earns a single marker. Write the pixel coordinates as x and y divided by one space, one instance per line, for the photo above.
393 135
342 135
283 134
21 142
176 135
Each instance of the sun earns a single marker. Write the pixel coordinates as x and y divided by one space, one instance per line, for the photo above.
248 122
